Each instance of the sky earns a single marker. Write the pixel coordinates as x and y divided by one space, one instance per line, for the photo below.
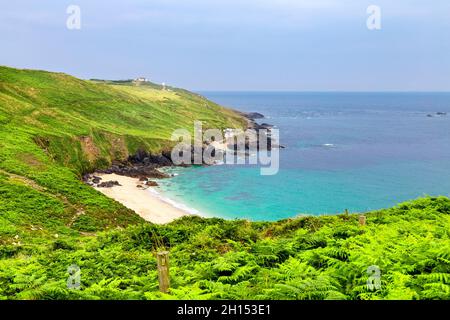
243 45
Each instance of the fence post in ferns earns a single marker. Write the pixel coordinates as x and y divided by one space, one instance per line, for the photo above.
163 271
362 220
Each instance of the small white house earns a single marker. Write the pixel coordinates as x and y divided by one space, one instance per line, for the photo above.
141 79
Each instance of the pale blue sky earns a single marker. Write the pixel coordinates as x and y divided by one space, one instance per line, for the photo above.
305 45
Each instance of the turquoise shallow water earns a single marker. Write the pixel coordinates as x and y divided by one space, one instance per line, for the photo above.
356 151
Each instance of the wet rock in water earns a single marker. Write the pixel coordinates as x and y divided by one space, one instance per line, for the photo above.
151 183
253 115
265 126
429 115
108 184
441 113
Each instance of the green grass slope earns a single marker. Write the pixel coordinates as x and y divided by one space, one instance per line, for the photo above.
54 127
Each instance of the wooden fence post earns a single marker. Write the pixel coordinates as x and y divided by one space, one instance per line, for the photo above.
362 220
163 271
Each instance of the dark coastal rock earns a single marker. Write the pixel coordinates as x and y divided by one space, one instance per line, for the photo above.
142 165
167 154
161 160
108 184
268 138
253 115
261 129
136 170
150 160
264 126
151 183
96 180
264 139
139 156
441 113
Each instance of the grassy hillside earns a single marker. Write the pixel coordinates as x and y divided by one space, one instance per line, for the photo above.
54 127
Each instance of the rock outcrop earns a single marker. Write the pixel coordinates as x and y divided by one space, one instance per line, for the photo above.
253 115
108 184
144 165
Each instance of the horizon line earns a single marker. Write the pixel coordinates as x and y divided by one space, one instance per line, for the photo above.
321 91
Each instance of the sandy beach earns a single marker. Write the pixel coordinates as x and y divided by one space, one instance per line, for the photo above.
148 205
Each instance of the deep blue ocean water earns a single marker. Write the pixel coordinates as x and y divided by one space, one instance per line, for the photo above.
355 151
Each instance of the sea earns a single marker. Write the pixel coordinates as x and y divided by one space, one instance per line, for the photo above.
344 151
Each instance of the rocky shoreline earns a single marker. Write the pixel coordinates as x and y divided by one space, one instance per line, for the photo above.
144 165
265 127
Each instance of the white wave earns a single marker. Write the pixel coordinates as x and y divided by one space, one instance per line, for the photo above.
173 203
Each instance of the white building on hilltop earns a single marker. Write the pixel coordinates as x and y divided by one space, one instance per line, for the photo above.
141 79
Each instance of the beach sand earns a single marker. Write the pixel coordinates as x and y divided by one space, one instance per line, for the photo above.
149 206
